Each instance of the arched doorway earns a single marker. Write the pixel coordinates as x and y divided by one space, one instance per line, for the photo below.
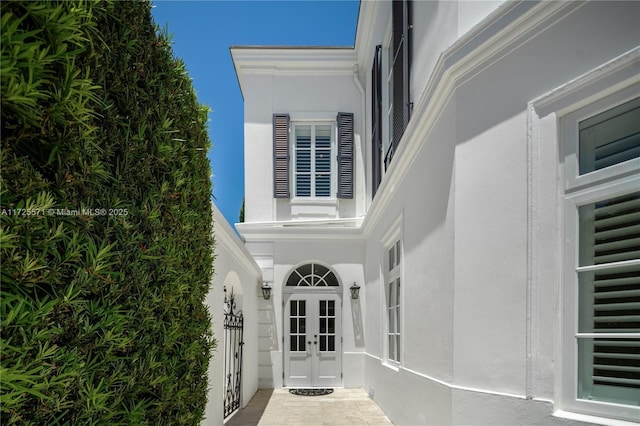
312 327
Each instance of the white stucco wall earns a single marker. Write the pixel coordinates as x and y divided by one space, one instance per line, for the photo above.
234 268
476 348
464 204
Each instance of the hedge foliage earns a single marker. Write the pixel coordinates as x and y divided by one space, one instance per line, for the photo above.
103 317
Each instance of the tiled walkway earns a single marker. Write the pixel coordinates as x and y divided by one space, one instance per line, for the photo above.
276 407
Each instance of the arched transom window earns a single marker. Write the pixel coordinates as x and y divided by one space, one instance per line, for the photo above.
312 275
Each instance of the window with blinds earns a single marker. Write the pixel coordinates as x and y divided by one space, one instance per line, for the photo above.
318 166
609 299
398 78
608 272
313 148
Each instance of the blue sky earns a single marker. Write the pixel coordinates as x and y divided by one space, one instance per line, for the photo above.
202 33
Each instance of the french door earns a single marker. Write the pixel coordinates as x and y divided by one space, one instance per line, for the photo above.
312 340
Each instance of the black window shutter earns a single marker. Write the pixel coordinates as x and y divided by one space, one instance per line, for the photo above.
345 155
281 156
376 121
401 25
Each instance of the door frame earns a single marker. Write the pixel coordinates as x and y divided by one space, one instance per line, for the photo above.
315 290
315 357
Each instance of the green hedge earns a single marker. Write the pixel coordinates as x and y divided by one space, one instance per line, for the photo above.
103 317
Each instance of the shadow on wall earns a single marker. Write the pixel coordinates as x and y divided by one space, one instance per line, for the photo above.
268 342
269 335
358 331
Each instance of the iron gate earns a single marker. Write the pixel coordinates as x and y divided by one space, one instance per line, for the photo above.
233 330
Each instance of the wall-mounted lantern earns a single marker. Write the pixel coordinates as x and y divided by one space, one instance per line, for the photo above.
355 291
266 291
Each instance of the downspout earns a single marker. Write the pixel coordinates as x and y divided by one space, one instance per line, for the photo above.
363 136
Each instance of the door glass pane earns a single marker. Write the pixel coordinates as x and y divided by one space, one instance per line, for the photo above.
323 308
332 307
323 343
332 343
294 308
302 323
302 347
302 307
332 325
293 341
323 325
294 325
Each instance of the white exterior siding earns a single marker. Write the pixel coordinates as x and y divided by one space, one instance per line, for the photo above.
475 190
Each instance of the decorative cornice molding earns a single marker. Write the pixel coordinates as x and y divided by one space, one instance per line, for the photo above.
332 229
292 60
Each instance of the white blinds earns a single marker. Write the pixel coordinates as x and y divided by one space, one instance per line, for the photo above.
609 289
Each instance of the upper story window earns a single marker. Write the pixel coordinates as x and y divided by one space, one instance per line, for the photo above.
313 165
317 157
602 276
391 105
392 287
399 62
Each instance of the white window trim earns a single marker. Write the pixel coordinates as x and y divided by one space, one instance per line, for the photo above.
298 119
569 128
552 142
570 315
581 190
394 235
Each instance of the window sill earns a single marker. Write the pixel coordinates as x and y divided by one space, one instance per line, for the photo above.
391 366
605 421
314 208
321 201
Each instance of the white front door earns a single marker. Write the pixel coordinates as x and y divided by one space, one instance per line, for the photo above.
312 340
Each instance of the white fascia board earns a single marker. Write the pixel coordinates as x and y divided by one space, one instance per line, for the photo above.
292 61
364 32
224 236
